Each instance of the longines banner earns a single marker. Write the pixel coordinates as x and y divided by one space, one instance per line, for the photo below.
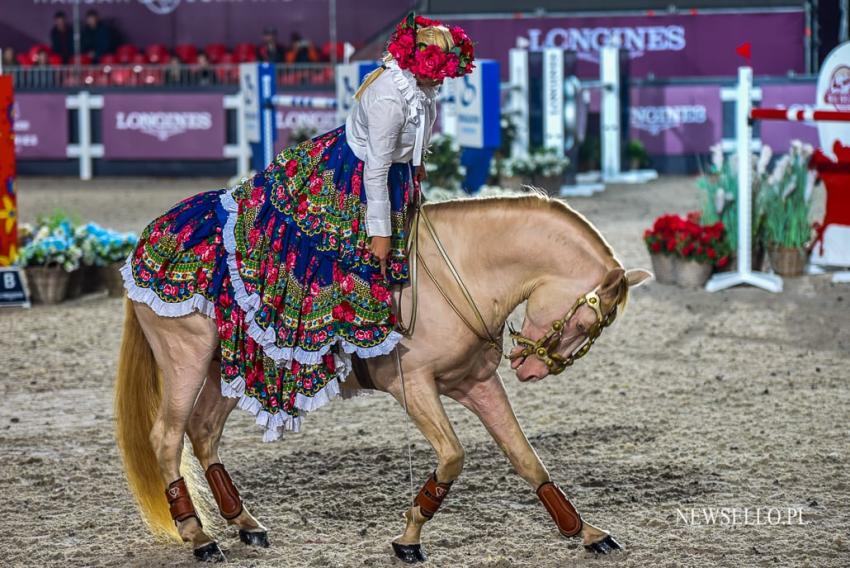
675 45
163 127
41 126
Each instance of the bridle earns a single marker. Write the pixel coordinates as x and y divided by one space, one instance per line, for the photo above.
544 348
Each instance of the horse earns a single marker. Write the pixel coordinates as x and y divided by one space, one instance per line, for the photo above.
493 255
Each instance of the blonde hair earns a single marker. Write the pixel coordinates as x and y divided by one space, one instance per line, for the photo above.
430 35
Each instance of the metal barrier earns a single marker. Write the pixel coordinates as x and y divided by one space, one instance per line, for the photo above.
289 76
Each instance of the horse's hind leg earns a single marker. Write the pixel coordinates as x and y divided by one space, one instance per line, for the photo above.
183 348
205 428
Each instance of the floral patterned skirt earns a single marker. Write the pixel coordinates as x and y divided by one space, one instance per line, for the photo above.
282 263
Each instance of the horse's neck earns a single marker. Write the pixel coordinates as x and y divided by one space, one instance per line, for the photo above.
504 253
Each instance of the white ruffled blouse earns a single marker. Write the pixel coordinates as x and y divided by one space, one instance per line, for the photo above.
391 122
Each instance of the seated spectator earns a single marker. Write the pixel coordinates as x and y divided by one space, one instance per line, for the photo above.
62 37
269 50
10 60
203 74
174 73
41 59
96 37
301 51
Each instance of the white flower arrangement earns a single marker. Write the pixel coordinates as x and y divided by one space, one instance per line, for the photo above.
544 163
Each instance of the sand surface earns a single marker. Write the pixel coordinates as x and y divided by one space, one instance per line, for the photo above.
737 399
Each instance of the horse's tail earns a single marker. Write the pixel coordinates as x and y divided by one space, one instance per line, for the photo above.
138 391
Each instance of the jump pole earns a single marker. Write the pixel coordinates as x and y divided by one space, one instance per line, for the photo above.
743 135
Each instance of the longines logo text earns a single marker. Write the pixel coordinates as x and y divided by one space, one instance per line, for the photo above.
740 516
656 119
163 125
587 42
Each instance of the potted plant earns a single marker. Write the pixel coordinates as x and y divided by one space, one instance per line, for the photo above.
718 186
786 203
636 154
540 168
107 250
442 163
661 243
701 248
48 259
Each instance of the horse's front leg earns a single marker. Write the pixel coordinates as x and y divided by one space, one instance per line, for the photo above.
489 401
427 412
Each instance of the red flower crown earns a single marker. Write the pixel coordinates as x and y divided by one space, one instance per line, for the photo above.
430 61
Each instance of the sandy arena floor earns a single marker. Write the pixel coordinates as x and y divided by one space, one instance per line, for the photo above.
737 399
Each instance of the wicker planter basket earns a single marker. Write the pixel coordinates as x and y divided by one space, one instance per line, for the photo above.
76 281
664 267
48 284
787 261
110 278
692 274
91 280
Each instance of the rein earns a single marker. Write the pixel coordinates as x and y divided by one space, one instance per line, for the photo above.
544 348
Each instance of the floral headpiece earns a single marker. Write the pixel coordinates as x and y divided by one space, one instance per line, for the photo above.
430 61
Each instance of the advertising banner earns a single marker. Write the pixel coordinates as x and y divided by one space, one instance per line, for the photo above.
299 120
8 201
41 126
676 120
163 126
662 45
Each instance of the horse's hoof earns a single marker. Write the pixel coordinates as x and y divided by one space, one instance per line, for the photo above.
409 553
209 553
254 538
604 546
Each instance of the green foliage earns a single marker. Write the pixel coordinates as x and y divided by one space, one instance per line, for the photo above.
636 152
786 201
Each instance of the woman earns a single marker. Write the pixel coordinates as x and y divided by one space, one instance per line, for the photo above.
296 263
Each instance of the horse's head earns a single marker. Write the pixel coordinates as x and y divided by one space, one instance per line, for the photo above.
554 334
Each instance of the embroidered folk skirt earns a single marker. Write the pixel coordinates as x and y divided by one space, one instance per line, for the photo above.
282 262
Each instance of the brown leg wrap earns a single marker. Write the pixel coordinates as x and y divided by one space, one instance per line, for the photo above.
225 493
563 513
179 502
431 496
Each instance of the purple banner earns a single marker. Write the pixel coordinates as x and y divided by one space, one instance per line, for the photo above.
291 120
778 134
163 126
202 22
41 126
676 120
675 45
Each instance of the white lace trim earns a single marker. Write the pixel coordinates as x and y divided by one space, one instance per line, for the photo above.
196 303
416 100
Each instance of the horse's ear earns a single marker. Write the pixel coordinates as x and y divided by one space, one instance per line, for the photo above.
611 281
637 276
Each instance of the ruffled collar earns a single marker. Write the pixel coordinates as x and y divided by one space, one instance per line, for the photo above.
415 96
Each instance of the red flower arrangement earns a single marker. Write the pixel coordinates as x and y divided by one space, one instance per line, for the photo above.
430 61
688 238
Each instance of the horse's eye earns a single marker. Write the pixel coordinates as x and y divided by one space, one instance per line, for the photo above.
580 327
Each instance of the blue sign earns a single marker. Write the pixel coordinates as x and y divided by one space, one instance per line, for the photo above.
349 76
262 152
13 292
477 104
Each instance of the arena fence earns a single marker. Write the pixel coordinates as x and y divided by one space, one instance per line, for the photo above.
289 76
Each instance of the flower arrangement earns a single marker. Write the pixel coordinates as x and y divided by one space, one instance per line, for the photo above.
689 239
540 163
102 247
443 163
430 61
51 244
786 199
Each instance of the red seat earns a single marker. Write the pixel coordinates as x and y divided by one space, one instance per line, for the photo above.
157 54
108 59
327 50
139 59
36 49
245 52
125 53
122 76
215 51
187 53
227 71
83 59
54 59
24 60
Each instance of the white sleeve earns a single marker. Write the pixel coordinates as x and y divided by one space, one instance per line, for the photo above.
385 117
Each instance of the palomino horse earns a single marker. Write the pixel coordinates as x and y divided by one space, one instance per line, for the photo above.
508 251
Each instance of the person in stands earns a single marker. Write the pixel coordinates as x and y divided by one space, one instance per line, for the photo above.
10 60
96 37
270 50
203 73
62 37
301 50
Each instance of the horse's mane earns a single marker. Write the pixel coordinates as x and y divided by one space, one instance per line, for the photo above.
539 200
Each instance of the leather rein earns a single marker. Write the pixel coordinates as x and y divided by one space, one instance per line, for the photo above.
544 348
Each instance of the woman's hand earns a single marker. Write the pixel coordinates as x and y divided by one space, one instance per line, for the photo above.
421 173
380 247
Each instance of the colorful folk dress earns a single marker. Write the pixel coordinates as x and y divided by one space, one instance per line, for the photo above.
282 263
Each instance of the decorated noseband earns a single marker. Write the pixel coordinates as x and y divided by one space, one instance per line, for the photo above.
546 347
